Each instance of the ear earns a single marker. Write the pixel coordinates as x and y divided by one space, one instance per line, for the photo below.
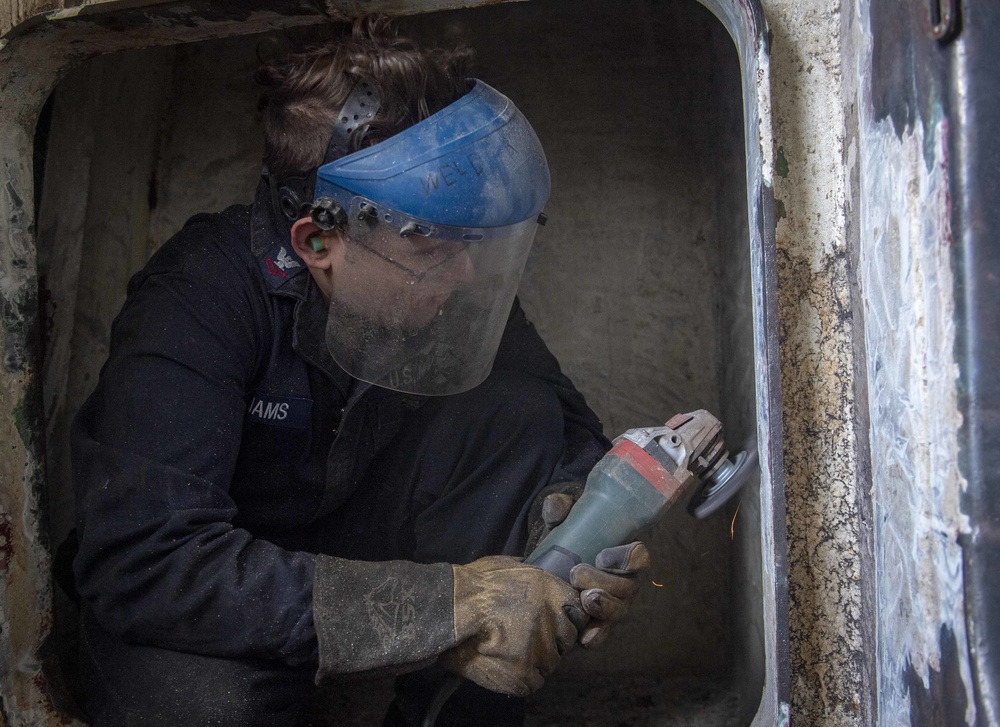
317 248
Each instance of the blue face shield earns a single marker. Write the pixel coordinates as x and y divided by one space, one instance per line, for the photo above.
437 223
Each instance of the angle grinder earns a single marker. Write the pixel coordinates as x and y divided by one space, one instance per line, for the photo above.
646 472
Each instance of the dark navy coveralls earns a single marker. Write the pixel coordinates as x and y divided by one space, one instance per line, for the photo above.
223 447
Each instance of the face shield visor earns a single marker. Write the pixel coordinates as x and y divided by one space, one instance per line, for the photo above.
436 224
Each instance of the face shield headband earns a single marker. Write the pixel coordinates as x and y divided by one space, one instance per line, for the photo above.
292 196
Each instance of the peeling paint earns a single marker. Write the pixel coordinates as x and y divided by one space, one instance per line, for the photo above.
63 13
817 365
6 542
784 715
21 423
764 129
780 163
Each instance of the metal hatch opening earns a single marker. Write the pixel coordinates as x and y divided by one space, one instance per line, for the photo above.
649 284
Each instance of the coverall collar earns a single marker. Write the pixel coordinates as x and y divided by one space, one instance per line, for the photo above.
270 243
285 274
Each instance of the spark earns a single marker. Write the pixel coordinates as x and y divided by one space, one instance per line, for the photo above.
658 585
732 525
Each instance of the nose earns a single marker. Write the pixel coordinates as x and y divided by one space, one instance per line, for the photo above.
465 272
456 272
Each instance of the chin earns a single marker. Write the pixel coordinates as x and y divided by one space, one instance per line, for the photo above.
420 318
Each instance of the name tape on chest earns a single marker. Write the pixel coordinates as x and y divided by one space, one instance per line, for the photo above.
280 411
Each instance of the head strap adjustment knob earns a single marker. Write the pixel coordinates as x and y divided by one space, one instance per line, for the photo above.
327 214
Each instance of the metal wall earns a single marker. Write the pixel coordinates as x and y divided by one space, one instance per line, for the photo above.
927 279
624 281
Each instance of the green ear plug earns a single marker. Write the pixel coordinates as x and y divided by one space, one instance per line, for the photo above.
317 243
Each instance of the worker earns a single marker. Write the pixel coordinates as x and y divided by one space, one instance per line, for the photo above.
325 422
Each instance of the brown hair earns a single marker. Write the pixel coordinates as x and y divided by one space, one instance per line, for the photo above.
304 91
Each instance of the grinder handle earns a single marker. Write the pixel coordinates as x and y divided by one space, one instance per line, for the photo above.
624 494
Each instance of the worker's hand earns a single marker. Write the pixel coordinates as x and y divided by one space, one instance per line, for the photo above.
608 588
550 508
513 623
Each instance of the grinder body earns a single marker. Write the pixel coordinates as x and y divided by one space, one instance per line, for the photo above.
646 472
621 498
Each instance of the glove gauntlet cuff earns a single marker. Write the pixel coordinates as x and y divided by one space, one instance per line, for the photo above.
381 618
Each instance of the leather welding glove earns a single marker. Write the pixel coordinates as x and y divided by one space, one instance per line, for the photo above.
513 621
551 506
608 589
375 619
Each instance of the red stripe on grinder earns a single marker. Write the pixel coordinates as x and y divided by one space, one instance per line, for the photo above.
651 470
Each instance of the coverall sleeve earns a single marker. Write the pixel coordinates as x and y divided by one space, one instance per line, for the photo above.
522 349
154 450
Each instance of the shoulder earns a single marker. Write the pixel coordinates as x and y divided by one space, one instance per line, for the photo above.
211 248
201 287
205 276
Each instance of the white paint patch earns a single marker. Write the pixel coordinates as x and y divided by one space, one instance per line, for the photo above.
65 13
762 83
852 162
810 131
907 288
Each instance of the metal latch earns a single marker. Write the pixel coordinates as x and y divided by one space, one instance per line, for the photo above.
943 19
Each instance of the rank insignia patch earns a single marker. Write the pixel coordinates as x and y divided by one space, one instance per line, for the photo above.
280 263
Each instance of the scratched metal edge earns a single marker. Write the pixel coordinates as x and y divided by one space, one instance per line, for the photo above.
976 261
746 24
34 54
